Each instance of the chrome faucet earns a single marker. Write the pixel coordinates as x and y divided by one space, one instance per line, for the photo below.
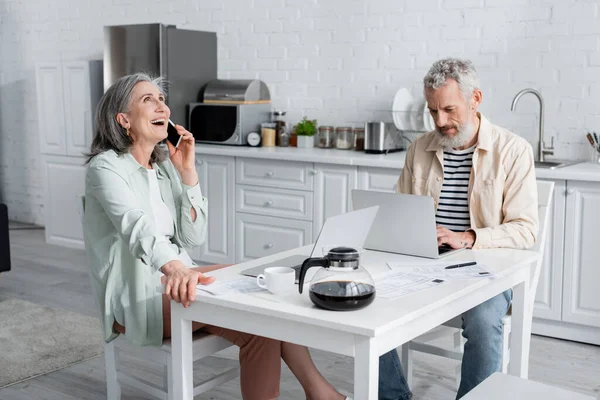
542 149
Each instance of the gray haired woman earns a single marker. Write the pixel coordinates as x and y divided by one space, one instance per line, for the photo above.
143 208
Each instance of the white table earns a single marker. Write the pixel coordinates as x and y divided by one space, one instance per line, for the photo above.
363 334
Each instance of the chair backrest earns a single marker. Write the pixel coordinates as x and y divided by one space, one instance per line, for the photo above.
545 191
4 239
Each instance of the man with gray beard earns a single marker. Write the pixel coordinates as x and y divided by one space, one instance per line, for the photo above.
482 180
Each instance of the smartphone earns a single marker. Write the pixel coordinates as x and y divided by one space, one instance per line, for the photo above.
172 135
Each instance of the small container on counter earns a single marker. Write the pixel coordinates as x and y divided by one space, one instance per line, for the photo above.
359 139
267 133
283 138
294 138
325 137
344 138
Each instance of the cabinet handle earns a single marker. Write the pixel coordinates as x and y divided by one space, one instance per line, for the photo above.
270 173
269 246
199 162
314 172
269 203
570 191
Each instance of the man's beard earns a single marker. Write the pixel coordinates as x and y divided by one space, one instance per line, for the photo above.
462 136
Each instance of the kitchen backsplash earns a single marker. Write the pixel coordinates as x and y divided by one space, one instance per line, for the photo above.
337 61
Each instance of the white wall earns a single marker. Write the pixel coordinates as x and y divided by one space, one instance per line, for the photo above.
339 61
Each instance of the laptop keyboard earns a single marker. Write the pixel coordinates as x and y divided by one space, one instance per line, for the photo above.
444 249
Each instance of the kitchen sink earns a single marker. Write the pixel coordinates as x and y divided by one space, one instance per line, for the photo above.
554 164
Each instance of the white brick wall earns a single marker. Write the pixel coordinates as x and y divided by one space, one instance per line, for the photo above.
339 61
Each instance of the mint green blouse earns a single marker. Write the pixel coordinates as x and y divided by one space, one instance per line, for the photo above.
124 249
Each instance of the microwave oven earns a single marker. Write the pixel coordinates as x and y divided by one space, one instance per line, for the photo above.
226 123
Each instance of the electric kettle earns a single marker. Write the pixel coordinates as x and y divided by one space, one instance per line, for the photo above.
341 284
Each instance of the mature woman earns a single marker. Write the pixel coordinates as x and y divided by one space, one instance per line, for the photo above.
142 209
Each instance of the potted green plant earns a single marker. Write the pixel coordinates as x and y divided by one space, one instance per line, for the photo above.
305 130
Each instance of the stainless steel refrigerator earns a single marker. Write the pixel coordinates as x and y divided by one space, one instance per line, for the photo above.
186 58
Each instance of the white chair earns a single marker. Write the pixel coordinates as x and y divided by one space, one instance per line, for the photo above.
453 326
500 386
203 345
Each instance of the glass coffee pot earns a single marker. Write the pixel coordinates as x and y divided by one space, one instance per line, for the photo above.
341 284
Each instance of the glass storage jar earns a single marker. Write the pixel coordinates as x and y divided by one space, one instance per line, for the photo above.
359 139
267 132
325 137
294 138
344 138
283 138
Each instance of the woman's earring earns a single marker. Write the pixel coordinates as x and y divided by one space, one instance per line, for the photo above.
127 131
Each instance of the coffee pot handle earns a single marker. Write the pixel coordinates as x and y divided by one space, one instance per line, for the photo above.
309 263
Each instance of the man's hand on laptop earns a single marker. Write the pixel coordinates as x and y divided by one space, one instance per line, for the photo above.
456 240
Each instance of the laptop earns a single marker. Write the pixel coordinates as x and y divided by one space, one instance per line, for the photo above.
350 229
405 224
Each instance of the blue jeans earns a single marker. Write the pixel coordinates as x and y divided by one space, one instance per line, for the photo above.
482 327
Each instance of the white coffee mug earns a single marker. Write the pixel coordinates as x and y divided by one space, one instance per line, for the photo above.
277 280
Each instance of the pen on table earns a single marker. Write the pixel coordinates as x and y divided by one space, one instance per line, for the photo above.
461 265
597 142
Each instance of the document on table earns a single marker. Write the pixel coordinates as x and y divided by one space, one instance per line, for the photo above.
438 270
394 284
242 284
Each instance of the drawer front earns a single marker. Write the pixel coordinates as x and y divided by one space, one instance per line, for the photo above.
274 173
276 202
380 179
258 236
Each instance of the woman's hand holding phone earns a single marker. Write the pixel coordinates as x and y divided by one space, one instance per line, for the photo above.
183 156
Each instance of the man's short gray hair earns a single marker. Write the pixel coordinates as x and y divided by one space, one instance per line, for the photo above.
110 135
462 71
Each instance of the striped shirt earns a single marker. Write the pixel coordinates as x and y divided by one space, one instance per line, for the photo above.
453 206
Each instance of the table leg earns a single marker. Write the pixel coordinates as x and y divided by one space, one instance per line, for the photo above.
181 354
366 369
520 331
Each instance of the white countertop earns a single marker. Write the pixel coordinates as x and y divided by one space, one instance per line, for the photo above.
328 156
586 171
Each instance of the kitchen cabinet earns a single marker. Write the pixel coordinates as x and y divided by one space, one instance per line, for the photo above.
380 179
217 181
567 302
274 206
333 185
548 296
67 94
50 109
285 203
65 183
259 236
275 173
82 88
581 289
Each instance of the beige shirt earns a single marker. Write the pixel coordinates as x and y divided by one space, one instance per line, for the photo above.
502 188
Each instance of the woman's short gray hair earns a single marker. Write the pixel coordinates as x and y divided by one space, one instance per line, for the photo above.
110 135
462 71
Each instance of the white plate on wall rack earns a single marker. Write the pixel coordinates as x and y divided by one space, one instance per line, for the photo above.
401 109
428 122
416 115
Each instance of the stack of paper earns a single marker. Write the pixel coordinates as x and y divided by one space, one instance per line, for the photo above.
406 278
242 284
438 270
393 284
